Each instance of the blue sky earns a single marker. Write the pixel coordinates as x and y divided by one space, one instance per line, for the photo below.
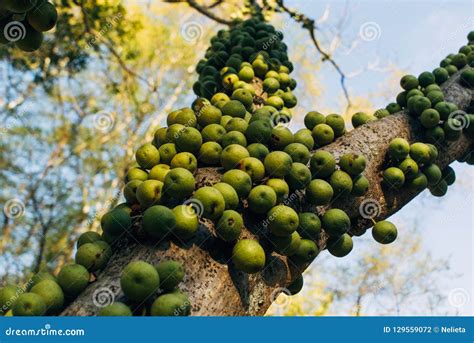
415 36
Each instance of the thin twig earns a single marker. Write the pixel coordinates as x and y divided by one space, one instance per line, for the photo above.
205 10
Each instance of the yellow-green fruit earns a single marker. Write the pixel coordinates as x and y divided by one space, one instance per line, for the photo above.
170 304
116 222
139 281
398 149
116 309
248 256
409 167
433 174
309 225
231 197
298 152
129 191
230 225
314 118
340 246
92 256
51 293
418 182
282 220
307 252
353 164
188 140
319 192
73 279
420 152
29 304
232 155
213 133
277 164
261 199
187 221
280 187
239 180
147 156
149 193
42 276
167 152
336 122
286 245
210 153
184 160
341 182
323 134
213 203
393 178
136 174
252 166
171 274
159 172
8 296
179 183
43 17
158 221
299 176
384 232
360 185
336 222
322 164
281 137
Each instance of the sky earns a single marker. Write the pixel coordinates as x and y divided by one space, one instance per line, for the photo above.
415 36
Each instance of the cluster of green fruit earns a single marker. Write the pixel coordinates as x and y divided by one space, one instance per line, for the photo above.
140 282
24 21
414 165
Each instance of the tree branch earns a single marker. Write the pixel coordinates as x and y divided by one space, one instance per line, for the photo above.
205 10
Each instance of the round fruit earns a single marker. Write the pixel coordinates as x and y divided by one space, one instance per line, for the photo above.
398 149
158 221
281 189
360 186
341 182
149 193
286 245
73 279
299 176
393 177
323 134
409 167
51 293
170 304
353 164
187 221
314 118
231 197
116 222
252 166
29 304
417 183
147 156
433 174
139 281
277 164
298 152
87 237
296 285
307 251
115 309
336 122
261 199
322 164
282 220
439 189
384 232
409 82
239 180
232 154
248 256
340 246
319 192
179 183
309 225
420 153
8 296
43 17
91 256
212 201
171 273
230 225
336 222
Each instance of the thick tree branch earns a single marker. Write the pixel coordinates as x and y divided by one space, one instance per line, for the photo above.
213 284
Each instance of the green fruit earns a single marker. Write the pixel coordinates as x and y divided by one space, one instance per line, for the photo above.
136 174
282 220
393 177
213 133
210 153
281 137
234 137
319 192
441 75
409 167
29 304
158 221
299 176
51 293
381 113
433 174
280 187
275 101
309 225
139 281
73 279
234 108
215 98
167 152
259 131
179 183
298 152
187 221
189 139
261 199
91 256
304 137
439 189
147 156
230 225
252 166
429 118
449 175
361 118
459 60
232 154
213 203
296 285
435 135
445 108
159 172
149 193
336 222
417 183
239 180
277 164
171 274
31 40
430 88
393 108
115 309
43 17
271 85
314 118
467 78
323 134
237 124
129 191
8 297
384 232
159 137
340 246
452 128
231 197
420 152
171 304
258 150
307 252
336 122
248 256
341 182
416 91
435 97
116 222
426 78
353 164
417 104
360 186
322 164
87 237
409 82
286 245
451 69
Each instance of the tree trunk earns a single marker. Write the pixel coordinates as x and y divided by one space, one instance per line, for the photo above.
214 286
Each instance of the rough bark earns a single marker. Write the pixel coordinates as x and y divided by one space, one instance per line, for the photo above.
214 286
